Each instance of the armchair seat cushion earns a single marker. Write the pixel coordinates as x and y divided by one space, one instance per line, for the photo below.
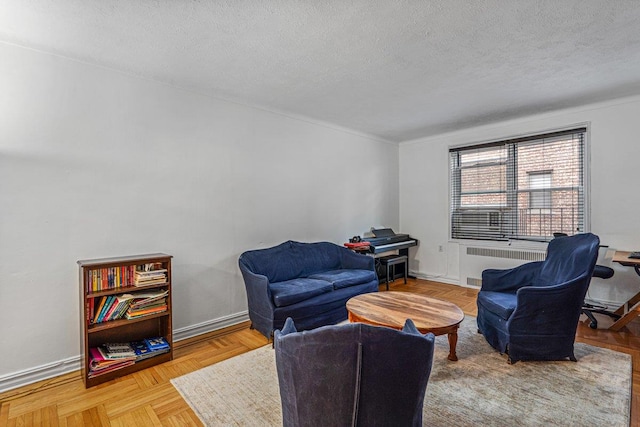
344 278
295 290
498 303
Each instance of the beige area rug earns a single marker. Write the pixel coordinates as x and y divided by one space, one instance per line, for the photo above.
481 389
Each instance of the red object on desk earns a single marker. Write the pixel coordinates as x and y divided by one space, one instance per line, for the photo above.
357 245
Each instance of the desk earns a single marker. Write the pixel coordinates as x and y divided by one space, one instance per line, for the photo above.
630 309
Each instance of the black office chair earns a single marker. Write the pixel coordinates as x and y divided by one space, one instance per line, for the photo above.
601 272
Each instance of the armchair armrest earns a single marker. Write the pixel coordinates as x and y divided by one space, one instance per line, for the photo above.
512 279
352 260
550 309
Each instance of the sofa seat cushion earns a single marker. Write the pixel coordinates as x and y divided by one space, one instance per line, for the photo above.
345 278
499 303
296 290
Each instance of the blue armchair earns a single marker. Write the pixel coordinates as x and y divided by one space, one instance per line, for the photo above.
353 374
531 312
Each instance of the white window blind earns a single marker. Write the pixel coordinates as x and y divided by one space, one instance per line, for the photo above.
540 181
524 188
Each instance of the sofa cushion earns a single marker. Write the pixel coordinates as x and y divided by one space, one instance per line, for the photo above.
296 290
499 303
325 309
344 278
317 257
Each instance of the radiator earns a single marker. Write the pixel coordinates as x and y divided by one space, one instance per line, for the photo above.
494 258
507 253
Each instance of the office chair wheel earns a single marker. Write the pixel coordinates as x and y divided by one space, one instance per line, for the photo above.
593 325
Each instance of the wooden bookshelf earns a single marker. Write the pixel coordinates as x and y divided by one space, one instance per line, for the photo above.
111 277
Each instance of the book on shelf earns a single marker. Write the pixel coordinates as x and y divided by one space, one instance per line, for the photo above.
150 278
112 356
150 273
143 283
144 298
144 352
105 307
149 303
135 314
117 351
103 279
98 309
130 306
99 365
109 368
150 266
158 343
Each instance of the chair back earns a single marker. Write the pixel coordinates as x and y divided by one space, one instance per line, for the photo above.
569 258
353 374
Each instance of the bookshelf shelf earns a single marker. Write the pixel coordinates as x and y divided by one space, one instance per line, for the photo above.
112 289
124 289
122 322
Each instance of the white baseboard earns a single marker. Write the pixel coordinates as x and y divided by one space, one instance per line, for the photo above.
61 367
209 326
436 278
39 373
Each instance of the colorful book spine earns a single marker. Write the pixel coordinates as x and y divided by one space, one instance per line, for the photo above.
99 309
103 279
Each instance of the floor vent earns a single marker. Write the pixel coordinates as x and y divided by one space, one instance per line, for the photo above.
472 281
506 253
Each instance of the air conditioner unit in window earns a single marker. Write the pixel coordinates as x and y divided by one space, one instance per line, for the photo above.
477 223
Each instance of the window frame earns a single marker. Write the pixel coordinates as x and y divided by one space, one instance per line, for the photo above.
512 190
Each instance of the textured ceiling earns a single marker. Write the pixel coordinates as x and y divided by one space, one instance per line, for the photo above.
394 69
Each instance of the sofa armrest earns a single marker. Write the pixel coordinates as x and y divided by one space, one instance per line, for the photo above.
352 260
258 293
512 279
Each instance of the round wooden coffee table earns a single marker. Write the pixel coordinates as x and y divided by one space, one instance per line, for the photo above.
392 309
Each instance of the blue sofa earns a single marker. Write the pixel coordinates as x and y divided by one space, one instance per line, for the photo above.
309 282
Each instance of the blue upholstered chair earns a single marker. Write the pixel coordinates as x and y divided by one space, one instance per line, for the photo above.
601 272
531 312
353 374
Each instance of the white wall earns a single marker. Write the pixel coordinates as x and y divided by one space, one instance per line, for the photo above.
95 163
615 152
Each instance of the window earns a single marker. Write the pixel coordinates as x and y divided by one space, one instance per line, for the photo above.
524 188
540 199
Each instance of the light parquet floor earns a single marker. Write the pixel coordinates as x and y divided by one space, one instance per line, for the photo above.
147 398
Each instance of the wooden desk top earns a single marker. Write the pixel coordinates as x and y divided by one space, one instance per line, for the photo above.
392 309
622 257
